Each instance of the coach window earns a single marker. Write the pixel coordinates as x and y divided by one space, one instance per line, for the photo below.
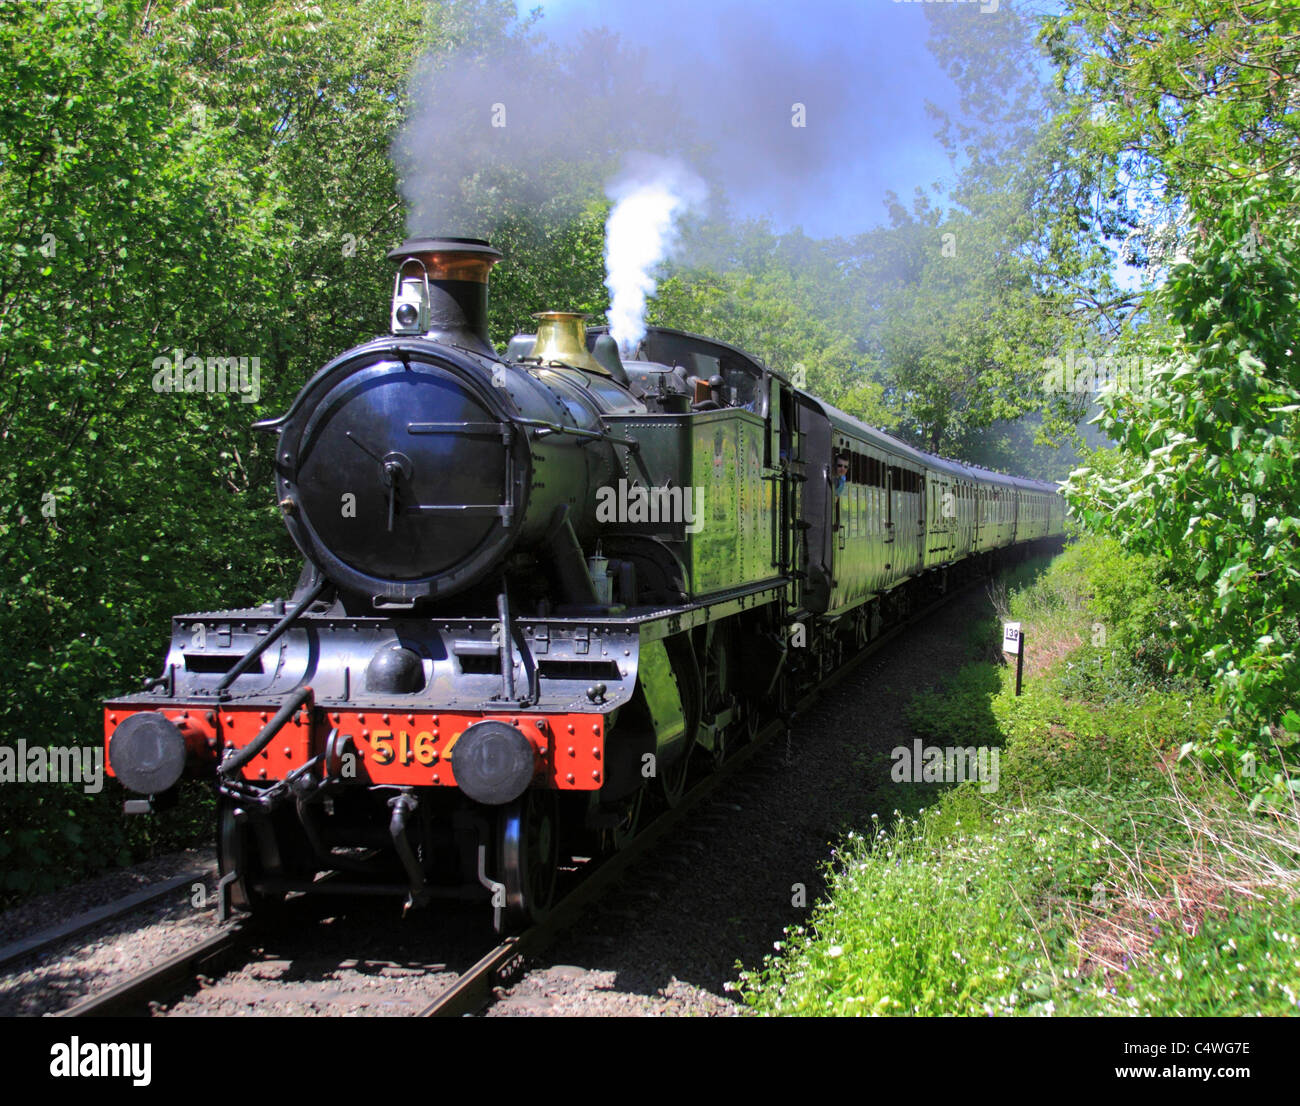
866 495
873 499
877 508
856 503
859 492
847 496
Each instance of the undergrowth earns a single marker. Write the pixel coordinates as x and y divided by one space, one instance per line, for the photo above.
1104 876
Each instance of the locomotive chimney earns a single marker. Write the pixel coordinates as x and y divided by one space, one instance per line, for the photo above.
441 290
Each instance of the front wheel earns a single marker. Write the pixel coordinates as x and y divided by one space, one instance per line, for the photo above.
529 846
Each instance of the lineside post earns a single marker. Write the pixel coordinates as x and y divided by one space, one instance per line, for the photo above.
1013 641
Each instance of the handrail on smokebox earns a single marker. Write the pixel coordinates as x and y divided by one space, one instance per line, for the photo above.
246 661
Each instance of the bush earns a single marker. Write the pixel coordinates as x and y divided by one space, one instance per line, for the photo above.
1103 877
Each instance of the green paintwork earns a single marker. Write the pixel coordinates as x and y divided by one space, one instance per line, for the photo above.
720 453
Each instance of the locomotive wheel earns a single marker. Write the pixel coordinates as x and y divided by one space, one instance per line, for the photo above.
238 852
529 846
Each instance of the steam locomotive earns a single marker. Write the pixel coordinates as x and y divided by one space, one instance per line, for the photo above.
537 588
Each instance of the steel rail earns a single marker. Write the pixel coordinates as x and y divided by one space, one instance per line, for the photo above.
474 989
38 942
171 977
163 980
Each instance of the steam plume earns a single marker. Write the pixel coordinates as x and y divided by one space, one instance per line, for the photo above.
649 196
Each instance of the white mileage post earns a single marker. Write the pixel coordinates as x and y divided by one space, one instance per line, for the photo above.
1013 641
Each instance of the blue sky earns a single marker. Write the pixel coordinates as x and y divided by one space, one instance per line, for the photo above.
861 67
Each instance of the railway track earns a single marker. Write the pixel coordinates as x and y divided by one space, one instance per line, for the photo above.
473 989
163 981
45 939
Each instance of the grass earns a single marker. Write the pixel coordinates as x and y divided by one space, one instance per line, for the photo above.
1103 877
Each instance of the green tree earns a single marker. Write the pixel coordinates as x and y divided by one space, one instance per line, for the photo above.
1193 105
960 300
777 298
173 176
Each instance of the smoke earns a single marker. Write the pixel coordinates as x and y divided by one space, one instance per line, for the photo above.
516 129
809 114
649 196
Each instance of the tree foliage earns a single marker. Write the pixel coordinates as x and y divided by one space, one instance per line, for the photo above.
1193 104
173 176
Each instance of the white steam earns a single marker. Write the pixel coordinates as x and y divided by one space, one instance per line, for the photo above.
649 196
